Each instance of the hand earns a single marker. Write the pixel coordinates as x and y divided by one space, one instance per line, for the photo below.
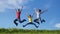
35 9
15 9
44 11
21 7
26 14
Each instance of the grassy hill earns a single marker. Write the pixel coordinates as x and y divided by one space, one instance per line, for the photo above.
22 31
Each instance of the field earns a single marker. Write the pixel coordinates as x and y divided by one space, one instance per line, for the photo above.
22 31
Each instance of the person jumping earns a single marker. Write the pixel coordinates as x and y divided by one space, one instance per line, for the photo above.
18 15
38 12
30 21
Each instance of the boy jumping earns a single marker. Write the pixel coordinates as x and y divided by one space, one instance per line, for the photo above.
38 12
18 15
30 21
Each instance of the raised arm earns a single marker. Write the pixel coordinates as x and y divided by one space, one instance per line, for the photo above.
44 11
35 10
15 10
27 15
21 8
32 14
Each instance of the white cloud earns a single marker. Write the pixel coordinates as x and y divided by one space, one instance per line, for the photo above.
57 25
12 4
2 6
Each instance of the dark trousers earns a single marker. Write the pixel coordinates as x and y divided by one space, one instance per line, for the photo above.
15 21
39 19
31 23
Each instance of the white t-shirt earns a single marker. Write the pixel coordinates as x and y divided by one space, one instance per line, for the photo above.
38 15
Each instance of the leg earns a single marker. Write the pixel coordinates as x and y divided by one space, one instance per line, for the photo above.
23 20
20 20
26 24
37 21
35 25
15 22
42 20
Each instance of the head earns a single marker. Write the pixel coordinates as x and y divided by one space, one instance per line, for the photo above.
29 16
18 9
39 10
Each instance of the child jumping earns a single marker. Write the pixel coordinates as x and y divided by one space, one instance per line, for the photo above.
38 12
30 21
18 15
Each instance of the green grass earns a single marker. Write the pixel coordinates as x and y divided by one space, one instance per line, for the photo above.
22 31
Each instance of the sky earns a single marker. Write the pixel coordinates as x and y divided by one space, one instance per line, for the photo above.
8 13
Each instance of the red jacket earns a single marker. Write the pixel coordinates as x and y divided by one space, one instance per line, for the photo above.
18 14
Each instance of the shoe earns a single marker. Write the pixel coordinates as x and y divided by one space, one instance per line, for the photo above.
42 21
23 25
16 24
36 26
35 20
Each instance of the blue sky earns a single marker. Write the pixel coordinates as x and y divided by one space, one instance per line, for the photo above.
52 16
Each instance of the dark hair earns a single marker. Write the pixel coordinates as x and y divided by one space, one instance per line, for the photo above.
39 10
18 9
30 15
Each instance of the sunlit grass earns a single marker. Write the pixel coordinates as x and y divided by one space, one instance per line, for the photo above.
22 31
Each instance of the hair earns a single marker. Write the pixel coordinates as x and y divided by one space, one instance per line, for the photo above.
30 15
18 9
39 10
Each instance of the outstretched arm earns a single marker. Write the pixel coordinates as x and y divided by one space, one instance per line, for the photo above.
44 11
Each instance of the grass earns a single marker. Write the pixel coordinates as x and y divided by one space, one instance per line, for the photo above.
22 31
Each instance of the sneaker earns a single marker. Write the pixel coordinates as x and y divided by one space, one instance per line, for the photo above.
16 24
42 21
36 26
23 25
35 20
